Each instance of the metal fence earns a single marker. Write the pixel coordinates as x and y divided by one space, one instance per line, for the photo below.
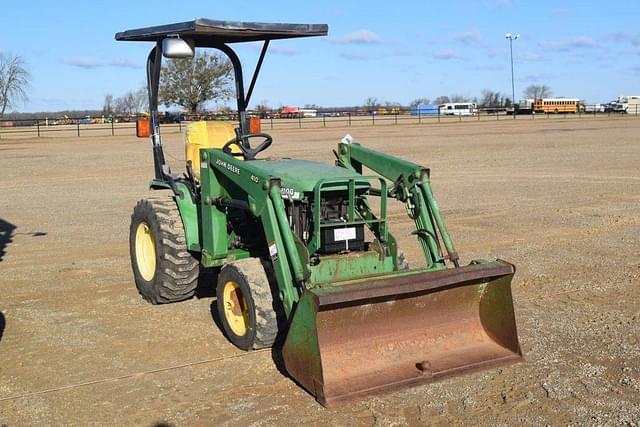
125 126
76 127
332 118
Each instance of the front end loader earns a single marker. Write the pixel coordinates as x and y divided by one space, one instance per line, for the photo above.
303 249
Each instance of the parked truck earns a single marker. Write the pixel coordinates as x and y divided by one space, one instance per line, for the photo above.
626 104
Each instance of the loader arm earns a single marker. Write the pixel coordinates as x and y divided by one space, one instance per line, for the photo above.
259 194
410 185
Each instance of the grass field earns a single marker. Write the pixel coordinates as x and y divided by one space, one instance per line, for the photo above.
558 198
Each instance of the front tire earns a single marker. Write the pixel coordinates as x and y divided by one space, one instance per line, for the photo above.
163 269
245 305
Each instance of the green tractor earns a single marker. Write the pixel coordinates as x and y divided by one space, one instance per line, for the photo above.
303 250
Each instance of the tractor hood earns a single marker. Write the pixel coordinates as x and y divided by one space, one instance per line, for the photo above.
301 176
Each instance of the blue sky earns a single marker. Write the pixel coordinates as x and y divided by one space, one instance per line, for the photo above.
394 51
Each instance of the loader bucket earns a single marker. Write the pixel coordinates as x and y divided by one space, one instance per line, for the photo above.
362 337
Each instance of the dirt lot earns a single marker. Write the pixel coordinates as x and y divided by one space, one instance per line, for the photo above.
559 199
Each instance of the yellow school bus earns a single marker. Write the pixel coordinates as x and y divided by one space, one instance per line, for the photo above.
556 105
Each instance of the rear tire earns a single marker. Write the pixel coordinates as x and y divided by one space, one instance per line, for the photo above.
163 268
245 305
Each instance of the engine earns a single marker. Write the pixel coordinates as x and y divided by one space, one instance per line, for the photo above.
335 235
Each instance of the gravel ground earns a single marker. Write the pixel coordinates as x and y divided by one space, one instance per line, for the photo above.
559 199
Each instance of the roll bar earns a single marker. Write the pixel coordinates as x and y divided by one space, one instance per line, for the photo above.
214 34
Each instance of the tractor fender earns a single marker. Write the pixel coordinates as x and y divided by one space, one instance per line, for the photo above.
188 212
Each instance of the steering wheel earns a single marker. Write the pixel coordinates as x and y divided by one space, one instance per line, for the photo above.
248 152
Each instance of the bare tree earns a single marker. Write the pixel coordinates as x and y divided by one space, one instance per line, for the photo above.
419 101
537 92
441 100
371 103
141 99
107 107
120 105
126 104
491 99
458 98
14 81
263 108
191 83
131 102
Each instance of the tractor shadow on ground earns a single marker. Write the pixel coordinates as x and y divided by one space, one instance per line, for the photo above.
2 324
207 280
216 317
6 236
278 361
276 349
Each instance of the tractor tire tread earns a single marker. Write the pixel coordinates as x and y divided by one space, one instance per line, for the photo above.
180 263
177 272
266 321
266 327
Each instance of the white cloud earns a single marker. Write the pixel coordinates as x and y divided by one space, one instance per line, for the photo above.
625 37
124 63
446 54
283 50
580 42
276 49
90 63
357 37
355 56
469 37
528 56
86 63
583 42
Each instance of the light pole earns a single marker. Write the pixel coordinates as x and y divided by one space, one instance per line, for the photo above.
511 38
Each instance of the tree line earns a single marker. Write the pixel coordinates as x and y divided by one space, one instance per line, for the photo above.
488 98
192 83
188 83
130 103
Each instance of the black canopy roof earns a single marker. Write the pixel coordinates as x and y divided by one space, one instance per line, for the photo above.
206 31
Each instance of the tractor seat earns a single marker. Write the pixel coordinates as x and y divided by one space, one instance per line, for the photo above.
207 134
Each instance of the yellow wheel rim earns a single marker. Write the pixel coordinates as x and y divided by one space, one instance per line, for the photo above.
235 308
145 251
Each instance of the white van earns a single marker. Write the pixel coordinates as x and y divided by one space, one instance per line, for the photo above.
459 109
